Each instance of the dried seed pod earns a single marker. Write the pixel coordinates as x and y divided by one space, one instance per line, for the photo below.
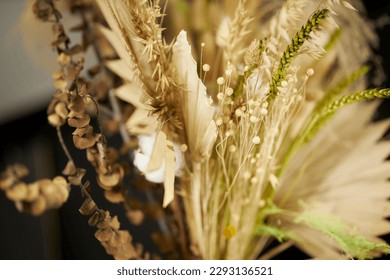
19 170
114 223
136 217
18 192
79 122
92 155
55 120
110 180
94 219
77 178
32 192
77 105
85 141
38 206
7 180
103 234
70 169
61 110
114 196
62 188
88 207
60 84
82 131
47 188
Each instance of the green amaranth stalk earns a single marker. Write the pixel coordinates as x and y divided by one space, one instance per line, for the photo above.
325 113
292 50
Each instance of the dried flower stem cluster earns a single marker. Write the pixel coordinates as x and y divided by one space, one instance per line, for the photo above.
69 105
34 198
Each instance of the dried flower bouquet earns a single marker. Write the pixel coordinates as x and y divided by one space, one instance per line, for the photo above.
236 110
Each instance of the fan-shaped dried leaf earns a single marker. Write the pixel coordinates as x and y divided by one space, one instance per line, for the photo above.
88 207
197 110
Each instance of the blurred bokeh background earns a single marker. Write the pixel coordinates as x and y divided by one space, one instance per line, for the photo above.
25 90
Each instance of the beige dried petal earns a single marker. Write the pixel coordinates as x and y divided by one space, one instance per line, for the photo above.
32 192
88 207
61 110
103 234
18 192
38 206
79 122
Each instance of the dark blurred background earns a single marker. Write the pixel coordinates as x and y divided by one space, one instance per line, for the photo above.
27 138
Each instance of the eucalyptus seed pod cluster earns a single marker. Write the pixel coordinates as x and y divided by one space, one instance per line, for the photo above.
117 243
34 198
